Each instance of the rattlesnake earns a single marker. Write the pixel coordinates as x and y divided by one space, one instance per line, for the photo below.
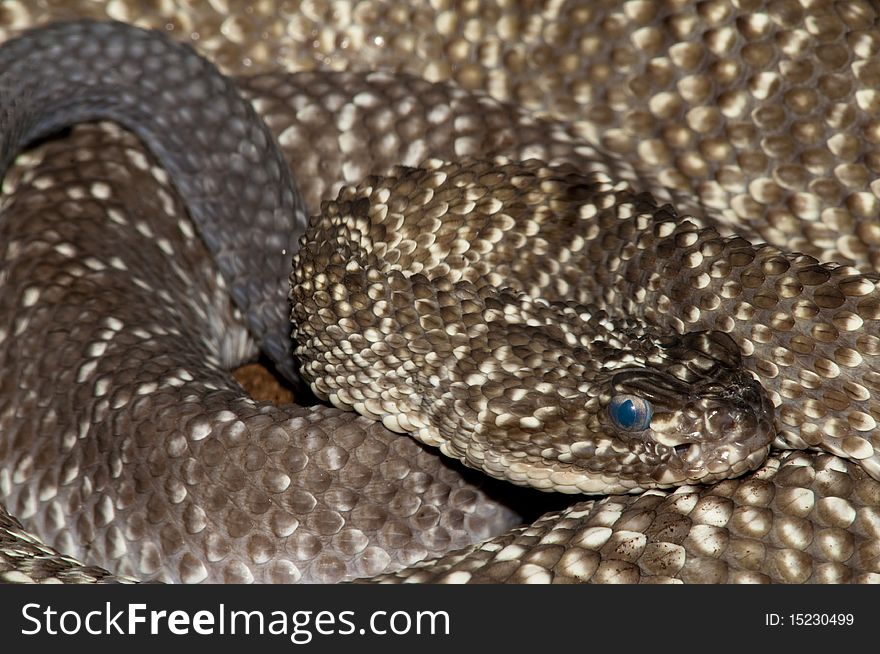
802 517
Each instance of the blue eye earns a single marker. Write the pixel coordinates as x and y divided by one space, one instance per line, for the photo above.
630 413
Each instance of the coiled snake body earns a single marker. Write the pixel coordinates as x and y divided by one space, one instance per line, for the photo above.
127 443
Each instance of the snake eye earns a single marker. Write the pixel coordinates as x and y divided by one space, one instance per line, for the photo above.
630 413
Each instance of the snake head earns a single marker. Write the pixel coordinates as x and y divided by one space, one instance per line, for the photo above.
664 412
699 417
519 375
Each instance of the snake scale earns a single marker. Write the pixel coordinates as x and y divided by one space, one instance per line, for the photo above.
126 443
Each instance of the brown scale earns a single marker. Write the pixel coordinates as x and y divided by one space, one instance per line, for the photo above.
183 477
402 312
762 123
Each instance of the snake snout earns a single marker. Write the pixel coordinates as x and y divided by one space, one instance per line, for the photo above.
724 431
702 428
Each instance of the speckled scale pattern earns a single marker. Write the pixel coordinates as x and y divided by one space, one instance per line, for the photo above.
26 560
806 328
443 301
365 123
778 159
216 152
158 466
746 110
801 518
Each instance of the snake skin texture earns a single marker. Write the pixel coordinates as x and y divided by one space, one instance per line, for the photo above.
759 119
422 299
169 508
